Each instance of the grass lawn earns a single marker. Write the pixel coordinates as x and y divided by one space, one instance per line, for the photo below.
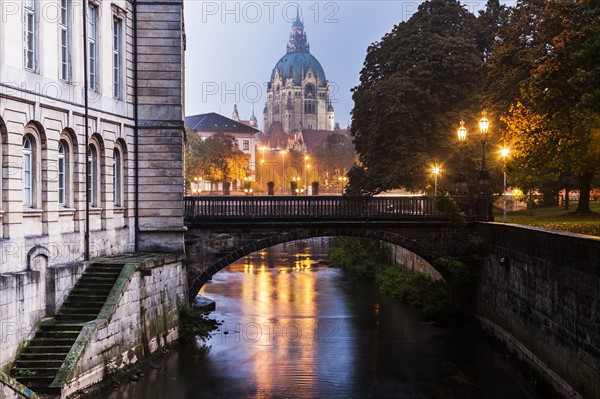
556 218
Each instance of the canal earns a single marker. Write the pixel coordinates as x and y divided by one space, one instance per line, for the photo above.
294 328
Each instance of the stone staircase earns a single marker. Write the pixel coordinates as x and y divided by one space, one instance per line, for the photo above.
39 362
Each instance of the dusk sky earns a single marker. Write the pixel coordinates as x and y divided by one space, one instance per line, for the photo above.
232 47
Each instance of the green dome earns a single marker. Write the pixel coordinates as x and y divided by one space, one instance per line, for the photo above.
295 64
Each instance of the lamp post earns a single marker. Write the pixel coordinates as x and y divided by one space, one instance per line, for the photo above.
263 149
483 180
436 172
504 152
262 167
461 178
305 169
196 189
342 180
283 152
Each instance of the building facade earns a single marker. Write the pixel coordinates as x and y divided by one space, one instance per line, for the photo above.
298 91
207 125
91 132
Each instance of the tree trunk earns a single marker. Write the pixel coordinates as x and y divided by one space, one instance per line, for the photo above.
585 185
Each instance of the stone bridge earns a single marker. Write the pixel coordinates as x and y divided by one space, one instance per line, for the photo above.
537 290
222 230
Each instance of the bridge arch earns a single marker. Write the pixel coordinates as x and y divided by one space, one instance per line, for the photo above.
199 278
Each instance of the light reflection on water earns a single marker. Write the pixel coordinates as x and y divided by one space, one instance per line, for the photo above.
293 328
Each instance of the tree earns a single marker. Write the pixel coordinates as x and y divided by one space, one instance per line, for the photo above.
226 160
196 157
417 82
547 69
335 155
565 87
216 159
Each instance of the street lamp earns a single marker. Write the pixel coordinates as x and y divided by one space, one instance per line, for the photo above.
283 152
461 178
436 172
342 180
306 166
262 173
263 149
196 189
504 153
262 166
483 180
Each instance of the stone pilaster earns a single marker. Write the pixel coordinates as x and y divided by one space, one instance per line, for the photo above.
160 124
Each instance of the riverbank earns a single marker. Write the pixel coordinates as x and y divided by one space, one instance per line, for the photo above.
556 218
371 260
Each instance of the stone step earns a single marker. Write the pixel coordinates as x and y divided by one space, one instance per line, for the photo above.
42 364
51 342
99 275
103 274
36 381
82 303
38 371
80 310
81 296
62 327
46 349
105 266
95 291
48 353
58 334
76 317
94 283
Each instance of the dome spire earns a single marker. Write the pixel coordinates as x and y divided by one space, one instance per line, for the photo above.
298 23
298 40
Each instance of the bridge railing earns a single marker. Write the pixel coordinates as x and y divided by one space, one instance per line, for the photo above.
298 207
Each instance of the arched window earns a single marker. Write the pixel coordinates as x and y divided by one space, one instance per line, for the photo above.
309 91
27 169
92 160
117 178
63 173
309 107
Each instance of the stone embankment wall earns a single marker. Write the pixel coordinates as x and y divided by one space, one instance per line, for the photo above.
412 263
541 290
141 316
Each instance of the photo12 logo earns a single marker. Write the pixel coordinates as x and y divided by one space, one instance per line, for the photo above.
270 11
248 92
273 332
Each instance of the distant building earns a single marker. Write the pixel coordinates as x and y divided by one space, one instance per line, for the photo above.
207 125
252 122
298 91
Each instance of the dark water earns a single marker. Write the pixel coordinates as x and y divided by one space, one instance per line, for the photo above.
293 328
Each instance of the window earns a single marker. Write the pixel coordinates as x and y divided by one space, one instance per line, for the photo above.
117 177
92 18
63 38
27 169
309 107
63 162
29 39
117 35
246 145
92 160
